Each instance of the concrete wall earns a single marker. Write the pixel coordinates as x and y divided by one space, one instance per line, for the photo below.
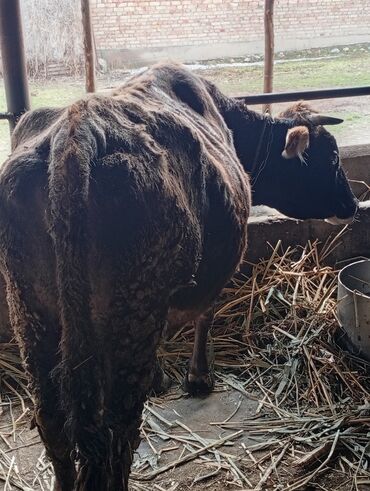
266 231
143 31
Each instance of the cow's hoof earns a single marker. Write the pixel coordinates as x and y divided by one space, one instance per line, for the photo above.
199 385
161 382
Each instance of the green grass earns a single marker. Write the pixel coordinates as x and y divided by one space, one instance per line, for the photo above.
55 93
345 70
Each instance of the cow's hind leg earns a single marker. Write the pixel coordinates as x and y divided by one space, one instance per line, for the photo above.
27 263
37 333
199 378
132 363
49 418
51 429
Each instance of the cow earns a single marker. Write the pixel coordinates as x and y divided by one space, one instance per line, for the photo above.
122 213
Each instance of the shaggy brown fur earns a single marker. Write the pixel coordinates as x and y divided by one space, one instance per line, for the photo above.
298 110
113 211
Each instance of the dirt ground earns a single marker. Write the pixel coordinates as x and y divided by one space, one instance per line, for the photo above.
197 418
199 414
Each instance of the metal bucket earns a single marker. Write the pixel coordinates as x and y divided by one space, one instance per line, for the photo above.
354 306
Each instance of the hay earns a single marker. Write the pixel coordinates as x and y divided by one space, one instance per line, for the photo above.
275 341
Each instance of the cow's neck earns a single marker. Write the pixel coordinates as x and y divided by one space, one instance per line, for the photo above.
259 140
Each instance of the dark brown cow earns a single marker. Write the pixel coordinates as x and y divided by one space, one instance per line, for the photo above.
120 213
108 209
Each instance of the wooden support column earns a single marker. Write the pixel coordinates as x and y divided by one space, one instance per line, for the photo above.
88 46
269 51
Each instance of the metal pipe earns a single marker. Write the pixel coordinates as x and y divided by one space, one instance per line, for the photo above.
14 67
7 116
305 94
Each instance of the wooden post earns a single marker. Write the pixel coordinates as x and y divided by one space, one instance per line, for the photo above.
269 50
88 46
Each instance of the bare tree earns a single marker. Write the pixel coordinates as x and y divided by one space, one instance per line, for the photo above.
53 34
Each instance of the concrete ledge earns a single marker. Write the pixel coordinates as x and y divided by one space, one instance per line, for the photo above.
356 152
263 231
356 162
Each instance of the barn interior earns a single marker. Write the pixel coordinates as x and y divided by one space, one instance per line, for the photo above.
291 405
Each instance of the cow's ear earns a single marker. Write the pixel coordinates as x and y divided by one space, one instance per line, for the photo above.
297 140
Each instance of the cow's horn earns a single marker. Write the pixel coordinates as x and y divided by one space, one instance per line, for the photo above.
320 119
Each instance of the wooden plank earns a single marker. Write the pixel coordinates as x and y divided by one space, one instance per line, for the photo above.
269 50
88 46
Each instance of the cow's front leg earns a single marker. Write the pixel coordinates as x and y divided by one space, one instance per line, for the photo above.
176 319
199 379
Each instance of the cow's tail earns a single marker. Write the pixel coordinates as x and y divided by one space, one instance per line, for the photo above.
80 372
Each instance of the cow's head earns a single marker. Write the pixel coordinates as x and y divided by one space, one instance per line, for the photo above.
302 174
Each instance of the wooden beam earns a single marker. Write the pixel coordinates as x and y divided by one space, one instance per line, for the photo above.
88 46
269 50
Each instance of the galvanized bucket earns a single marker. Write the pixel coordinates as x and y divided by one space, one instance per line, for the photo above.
354 306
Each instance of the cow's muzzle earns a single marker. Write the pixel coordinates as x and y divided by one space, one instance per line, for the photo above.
335 220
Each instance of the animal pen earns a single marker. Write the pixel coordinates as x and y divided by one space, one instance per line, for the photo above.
291 406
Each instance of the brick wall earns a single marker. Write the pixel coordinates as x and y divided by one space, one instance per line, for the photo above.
152 25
